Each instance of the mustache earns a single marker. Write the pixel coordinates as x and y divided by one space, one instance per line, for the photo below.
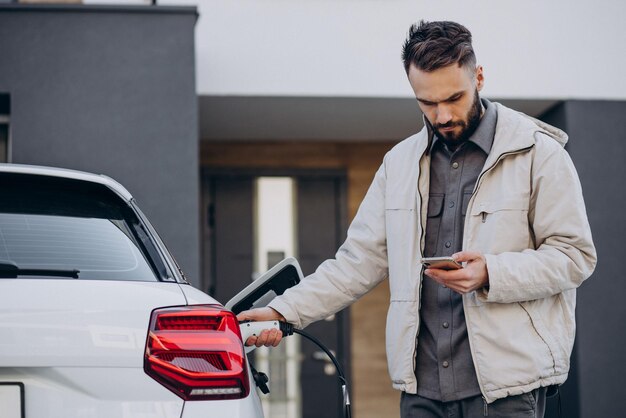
449 124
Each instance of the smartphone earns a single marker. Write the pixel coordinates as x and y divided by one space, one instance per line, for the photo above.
443 263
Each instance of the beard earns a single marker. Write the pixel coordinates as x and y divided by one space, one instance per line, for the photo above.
468 126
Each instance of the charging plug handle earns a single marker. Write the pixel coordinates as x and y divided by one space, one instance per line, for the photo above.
254 328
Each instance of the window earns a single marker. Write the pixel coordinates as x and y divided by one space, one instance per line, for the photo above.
52 226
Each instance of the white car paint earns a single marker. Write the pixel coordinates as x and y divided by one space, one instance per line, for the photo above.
78 323
78 347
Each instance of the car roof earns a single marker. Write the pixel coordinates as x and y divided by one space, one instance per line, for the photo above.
68 174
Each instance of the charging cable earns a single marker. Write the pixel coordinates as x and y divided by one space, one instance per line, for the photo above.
250 329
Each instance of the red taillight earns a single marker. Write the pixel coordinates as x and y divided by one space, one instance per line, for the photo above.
197 353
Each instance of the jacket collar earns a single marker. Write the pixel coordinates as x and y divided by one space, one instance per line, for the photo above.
516 131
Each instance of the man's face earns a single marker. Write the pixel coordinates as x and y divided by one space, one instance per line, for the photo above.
449 99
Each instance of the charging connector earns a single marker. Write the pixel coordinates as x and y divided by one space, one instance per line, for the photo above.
253 329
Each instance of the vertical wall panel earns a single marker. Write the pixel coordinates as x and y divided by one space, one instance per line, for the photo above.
232 260
598 147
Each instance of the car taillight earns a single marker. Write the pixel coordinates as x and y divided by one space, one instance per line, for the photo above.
197 353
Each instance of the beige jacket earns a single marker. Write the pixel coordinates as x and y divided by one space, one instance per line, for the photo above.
526 215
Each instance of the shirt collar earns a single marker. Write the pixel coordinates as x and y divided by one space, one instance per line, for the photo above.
482 136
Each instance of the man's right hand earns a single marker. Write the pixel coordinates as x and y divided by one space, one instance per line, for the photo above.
268 337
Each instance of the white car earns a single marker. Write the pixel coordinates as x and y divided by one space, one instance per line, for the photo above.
96 318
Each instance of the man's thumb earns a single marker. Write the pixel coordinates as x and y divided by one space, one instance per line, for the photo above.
246 316
463 256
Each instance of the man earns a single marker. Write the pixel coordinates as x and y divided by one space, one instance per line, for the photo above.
496 190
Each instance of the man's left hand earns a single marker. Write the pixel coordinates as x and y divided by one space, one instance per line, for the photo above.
473 276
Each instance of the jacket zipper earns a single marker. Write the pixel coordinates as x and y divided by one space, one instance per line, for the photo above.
419 291
506 154
467 323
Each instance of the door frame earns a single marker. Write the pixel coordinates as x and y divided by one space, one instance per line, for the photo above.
207 240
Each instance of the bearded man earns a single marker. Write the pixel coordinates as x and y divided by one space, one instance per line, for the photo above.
495 190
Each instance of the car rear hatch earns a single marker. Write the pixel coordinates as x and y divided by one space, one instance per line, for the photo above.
78 346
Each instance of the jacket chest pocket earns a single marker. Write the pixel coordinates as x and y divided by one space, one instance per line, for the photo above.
400 220
401 229
503 224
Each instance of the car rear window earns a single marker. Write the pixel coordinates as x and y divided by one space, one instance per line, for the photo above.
51 225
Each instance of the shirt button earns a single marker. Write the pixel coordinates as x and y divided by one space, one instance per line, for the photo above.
455 165
445 325
451 204
445 364
448 244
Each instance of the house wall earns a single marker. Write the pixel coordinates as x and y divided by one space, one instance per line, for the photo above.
351 48
110 90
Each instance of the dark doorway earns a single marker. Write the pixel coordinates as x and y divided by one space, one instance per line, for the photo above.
230 199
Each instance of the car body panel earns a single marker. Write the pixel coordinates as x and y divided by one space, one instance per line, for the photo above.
78 348
236 408
45 322
195 296
93 392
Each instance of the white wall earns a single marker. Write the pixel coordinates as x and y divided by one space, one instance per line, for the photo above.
529 48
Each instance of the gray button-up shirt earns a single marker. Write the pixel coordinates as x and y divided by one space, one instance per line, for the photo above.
444 367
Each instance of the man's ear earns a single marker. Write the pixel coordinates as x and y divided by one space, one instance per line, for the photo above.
480 78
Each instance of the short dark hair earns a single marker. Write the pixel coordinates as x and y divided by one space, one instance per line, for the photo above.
433 45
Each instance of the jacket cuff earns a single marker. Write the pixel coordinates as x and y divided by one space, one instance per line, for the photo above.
283 308
489 293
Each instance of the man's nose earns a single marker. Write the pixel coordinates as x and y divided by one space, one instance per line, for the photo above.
444 115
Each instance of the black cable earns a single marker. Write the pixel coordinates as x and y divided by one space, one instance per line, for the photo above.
288 329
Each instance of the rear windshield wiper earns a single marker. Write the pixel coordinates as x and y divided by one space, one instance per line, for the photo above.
9 270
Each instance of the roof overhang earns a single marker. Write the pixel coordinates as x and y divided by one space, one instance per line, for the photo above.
322 118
